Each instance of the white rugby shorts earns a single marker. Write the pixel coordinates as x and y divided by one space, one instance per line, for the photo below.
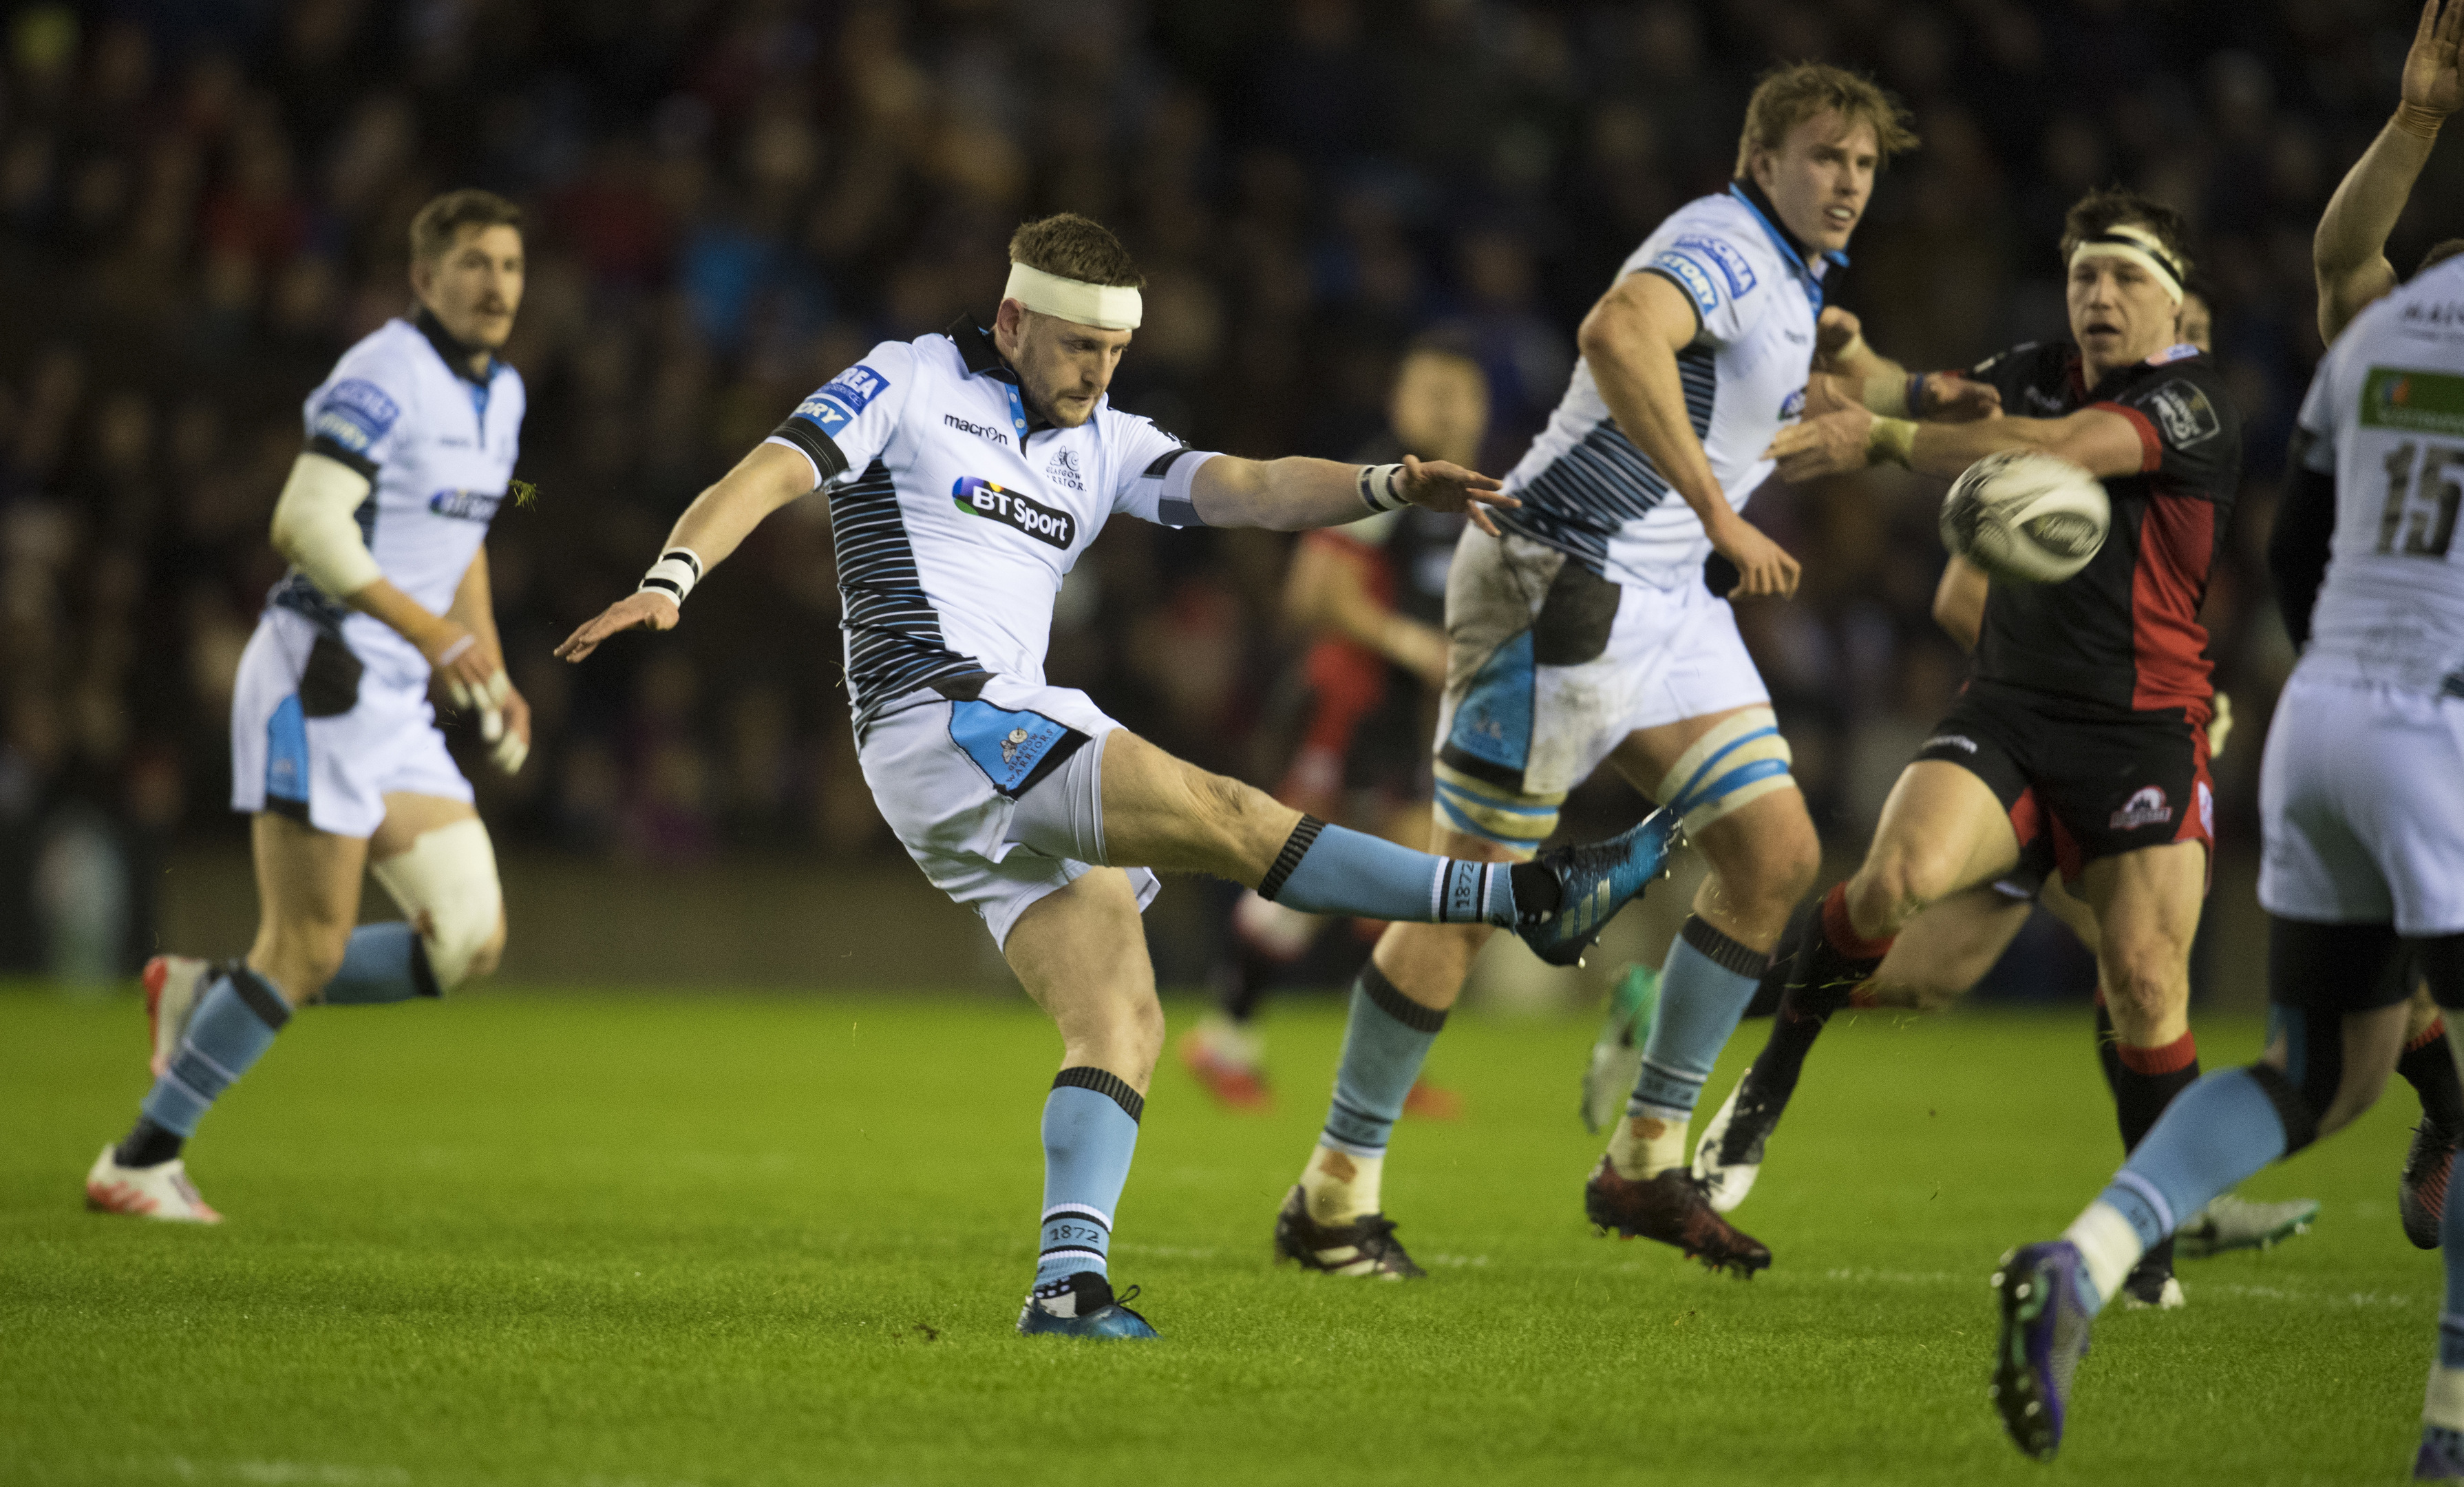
2361 807
948 771
1550 666
317 738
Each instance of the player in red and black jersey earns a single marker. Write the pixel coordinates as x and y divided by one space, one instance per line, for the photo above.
2084 718
1358 706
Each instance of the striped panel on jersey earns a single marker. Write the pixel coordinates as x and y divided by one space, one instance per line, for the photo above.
1602 481
893 634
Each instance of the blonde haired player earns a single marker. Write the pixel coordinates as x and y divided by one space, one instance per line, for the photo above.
335 754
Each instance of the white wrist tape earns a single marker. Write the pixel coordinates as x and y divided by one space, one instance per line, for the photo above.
675 574
315 528
1378 488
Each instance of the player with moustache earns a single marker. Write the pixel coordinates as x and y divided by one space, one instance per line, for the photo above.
410 445
2085 716
966 472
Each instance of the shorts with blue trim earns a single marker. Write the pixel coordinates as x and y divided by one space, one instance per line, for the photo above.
319 738
948 765
1550 666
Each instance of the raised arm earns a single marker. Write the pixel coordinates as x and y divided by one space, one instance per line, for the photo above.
1629 341
2349 252
711 527
1847 370
1294 494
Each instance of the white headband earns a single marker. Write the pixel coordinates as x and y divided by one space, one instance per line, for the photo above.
1104 306
2141 247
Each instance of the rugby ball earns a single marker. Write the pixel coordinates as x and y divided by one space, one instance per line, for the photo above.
2025 516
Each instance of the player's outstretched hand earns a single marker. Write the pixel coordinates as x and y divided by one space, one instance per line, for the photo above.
2434 69
1763 567
1442 486
1833 444
1955 399
633 612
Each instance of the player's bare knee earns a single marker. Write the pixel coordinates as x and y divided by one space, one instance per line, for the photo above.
1894 885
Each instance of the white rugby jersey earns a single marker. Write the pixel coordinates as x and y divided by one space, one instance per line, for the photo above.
2386 413
1589 492
440 447
954 521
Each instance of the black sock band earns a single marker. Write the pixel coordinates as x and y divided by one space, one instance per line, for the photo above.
1295 847
260 995
146 1146
1721 951
1536 889
1103 1081
2300 1121
1390 999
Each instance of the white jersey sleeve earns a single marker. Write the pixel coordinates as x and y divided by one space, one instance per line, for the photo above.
1153 471
848 422
1727 294
354 418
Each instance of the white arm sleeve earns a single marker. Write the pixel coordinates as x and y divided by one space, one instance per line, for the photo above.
315 528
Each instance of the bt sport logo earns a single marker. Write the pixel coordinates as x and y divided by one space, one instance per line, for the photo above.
981 497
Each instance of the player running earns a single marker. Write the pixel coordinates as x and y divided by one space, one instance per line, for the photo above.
2363 830
1589 630
1372 596
966 472
2084 719
1950 946
335 753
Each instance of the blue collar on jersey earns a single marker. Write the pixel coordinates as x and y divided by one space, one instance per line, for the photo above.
1790 248
456 357
983 359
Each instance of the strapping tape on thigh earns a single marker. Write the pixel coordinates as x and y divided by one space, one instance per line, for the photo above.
1728 768
1492 812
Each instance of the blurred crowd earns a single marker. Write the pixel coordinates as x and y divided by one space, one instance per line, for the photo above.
203 201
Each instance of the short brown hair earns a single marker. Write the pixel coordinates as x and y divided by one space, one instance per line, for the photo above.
1070 246
441 221
2108 207
1789 95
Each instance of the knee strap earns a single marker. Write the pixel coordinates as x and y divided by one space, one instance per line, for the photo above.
1492 812
2301 1120
446 884
1727 768
1062 816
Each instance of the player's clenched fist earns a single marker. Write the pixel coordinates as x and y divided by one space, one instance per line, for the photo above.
633 612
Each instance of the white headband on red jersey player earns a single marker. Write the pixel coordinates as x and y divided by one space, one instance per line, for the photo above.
2139 246
1104 306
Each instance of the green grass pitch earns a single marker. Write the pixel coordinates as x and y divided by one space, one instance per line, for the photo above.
630 1241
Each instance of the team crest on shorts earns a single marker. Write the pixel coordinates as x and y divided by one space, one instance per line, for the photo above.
2147 808
1011 744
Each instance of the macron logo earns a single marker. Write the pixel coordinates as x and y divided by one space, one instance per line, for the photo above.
979 431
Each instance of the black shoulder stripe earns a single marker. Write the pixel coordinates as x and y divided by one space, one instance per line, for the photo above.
322 445
1163 462
818 447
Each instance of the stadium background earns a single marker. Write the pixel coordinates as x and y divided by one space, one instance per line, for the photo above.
203 201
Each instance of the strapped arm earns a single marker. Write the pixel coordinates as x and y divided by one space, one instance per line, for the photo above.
314 526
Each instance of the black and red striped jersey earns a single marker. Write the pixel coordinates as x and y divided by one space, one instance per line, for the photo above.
2123 632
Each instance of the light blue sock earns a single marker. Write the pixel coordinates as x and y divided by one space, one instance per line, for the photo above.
1090 1129
1703 990
384 963
1384 1043
1329 870
2215 1133
233 1025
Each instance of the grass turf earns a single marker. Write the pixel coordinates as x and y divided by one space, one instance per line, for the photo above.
630 1241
